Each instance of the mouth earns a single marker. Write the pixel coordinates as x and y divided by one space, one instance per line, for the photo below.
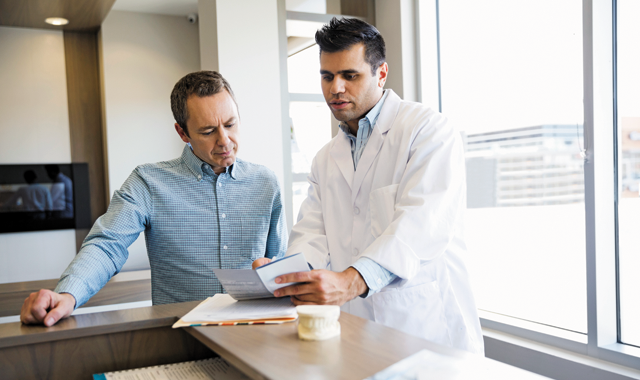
338 104
224 154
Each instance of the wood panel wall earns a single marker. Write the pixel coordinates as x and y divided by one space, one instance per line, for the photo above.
85 116
80 358
360 8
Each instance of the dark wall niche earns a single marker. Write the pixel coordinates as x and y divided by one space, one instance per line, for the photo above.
38 197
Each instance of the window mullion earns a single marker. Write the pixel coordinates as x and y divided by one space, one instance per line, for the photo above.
599 174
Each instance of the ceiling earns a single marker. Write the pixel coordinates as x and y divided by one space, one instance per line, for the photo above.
83 15
163 7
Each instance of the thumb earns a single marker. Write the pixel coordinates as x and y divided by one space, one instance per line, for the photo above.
62 308
260 262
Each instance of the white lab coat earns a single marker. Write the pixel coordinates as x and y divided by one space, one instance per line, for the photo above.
403 208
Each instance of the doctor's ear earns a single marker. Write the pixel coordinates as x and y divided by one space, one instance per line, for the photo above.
382 72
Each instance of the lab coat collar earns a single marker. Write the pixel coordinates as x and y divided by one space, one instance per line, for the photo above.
376 140
341 147
341 152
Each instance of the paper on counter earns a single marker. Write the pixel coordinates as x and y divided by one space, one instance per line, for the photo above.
222 307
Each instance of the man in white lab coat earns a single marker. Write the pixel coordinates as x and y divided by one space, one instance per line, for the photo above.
382 225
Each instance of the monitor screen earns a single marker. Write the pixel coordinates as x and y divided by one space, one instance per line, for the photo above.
36 197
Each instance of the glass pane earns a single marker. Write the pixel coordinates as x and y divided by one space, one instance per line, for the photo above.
304 71
629 168
511 76
310 131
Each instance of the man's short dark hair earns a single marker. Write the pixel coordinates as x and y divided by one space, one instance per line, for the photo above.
201 84
340 35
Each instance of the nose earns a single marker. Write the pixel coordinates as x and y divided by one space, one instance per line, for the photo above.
223 137
337 86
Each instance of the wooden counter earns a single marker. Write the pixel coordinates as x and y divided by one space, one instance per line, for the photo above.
92 343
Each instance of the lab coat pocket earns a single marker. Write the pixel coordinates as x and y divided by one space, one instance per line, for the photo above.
417 310
382 206
255 229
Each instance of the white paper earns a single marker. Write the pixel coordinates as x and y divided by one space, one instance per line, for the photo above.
246 284
242 284
290 264
214 369
425 365
222 307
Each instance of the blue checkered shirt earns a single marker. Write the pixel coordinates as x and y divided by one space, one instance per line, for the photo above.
193 221
375 276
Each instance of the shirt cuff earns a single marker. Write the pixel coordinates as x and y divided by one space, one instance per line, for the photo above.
74 286
375 276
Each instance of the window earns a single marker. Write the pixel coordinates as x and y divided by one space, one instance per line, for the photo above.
547 97
310 119
628 73
511 75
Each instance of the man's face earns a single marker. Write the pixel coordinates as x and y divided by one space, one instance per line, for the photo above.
348 85
213 129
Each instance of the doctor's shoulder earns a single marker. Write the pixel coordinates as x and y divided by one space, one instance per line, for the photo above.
417 118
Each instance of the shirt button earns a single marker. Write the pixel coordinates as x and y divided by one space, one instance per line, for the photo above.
224 216
199 177
219 184
225 247
356 211
379 281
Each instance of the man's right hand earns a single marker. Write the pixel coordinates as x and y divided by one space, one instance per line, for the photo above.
46 307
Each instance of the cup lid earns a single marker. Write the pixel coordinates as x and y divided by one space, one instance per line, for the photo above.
318 310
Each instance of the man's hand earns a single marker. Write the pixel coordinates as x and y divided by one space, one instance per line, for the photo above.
46 306
260 262
322 287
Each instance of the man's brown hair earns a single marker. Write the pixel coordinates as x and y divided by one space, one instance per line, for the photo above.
201 84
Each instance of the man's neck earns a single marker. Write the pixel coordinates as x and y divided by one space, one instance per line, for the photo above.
354 123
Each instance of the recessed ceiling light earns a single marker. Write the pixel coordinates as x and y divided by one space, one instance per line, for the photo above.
56 21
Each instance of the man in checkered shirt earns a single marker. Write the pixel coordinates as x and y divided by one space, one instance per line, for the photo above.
204 210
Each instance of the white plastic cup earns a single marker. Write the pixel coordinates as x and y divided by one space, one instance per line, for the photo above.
318 322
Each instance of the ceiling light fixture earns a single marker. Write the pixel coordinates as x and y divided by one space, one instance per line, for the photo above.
56 21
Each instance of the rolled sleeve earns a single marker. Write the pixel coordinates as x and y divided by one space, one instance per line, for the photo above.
75 286
375 276
104 251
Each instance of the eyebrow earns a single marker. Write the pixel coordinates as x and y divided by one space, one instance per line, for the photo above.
230 121
348 71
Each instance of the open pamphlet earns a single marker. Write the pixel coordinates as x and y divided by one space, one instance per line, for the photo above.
246 284
222 310
213 369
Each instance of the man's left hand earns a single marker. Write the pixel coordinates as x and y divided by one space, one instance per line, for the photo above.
322 287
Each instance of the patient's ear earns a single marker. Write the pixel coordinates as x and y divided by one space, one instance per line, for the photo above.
181 132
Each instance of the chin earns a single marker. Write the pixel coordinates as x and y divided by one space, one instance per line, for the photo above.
340 116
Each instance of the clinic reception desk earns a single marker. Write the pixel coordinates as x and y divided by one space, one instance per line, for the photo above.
82 345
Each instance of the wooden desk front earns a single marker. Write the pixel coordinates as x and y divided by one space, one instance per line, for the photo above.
93 343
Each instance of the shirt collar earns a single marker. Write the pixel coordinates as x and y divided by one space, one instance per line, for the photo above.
371 116
195 164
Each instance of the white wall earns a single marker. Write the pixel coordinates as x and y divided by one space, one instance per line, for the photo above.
34 118
34 128
144 55
248 56
396 22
